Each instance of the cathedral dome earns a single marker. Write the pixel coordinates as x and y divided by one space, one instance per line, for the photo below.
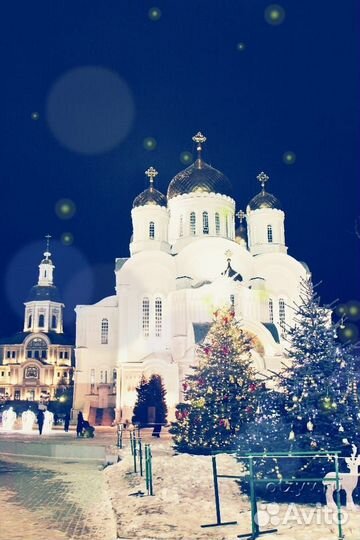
264 200
150 196
199 178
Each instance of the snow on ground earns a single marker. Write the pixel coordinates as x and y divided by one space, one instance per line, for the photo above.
184 500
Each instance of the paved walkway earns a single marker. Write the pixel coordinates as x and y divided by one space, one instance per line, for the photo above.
47 500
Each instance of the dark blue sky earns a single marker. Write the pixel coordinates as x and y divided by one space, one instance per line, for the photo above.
103 76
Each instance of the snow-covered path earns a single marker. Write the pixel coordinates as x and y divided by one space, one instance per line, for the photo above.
184 500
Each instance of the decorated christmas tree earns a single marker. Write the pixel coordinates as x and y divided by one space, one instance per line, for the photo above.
220 393
316 406
320 384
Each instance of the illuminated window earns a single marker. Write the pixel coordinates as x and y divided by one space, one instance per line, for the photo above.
282 312
146 317
192 223
181 226
205 223
41 321
271 311
269 234
152 230
104 332
158 317
217 223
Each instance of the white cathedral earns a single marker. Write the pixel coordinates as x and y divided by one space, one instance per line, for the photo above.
186 260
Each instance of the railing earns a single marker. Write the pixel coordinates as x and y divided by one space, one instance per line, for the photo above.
137 452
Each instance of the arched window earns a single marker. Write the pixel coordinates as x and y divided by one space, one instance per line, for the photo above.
146 317
104 332
205 223
271 311
269 234
41 321
282 312
217 223
29 321
192 223
232 302
53 321
158 317
152 230
181 226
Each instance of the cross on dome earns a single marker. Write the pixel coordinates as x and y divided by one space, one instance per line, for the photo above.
263 178
241 215
199 139
47 252
151 172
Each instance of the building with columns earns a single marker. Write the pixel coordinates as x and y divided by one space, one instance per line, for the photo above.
35 361
187 258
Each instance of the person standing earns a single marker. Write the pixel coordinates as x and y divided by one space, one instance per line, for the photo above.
80 424
67 421
40 420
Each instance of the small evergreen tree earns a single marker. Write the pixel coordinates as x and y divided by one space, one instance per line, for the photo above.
140 412
150 393
220 393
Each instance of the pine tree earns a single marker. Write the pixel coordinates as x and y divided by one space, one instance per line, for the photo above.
140 412
220 393
317 407
150 393
320 384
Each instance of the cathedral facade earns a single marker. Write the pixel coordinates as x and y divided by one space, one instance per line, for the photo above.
36 361
186 260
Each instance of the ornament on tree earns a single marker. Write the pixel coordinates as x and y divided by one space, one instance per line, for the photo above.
341 428
313 444
252 387
225 422
310 425
292 435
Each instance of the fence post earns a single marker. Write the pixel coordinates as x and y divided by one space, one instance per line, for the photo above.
254 524
119 436
134 452
338 502
132 442
140 457
148 469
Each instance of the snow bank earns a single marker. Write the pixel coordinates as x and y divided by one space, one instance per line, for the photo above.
184 500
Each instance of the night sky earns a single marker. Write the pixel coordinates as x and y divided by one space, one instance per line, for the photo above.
94 92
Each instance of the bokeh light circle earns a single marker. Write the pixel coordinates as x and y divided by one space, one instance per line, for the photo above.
274 14
65 208
186 157
353 310
35 115
341 310
67 239
289 158
149 143
154 13
349 332
241 46
90 110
